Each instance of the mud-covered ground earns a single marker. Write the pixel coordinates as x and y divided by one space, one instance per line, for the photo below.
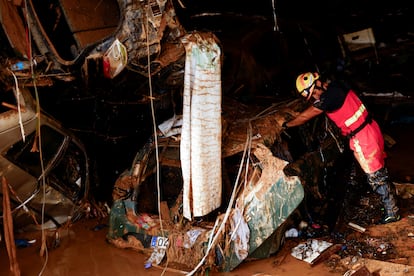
81 249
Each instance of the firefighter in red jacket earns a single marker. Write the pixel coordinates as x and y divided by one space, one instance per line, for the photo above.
345 109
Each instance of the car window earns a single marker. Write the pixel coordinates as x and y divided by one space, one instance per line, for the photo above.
68 172
26 155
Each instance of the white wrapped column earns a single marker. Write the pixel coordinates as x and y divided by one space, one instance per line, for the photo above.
200 148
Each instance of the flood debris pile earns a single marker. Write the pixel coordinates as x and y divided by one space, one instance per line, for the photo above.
257 199
224 183
194 207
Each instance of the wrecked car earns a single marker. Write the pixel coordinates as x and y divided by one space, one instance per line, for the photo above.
45 166
91 38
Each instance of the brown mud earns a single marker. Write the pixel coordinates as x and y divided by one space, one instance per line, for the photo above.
82 249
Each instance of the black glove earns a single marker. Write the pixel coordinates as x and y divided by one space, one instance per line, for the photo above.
284 128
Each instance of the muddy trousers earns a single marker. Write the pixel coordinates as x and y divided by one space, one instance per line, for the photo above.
381 185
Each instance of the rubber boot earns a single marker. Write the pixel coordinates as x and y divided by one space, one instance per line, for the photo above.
384 188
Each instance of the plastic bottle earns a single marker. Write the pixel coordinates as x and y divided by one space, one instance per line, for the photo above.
23 65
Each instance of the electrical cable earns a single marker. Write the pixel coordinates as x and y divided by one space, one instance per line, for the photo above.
19 111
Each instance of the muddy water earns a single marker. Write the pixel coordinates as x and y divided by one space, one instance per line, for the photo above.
83 249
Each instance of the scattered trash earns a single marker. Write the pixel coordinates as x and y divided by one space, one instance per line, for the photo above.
25 64
316 226
191 236
22 243
240 234
356 227
160 245
145 221
20 65
171 126
292 233
115 59
310 250
303 224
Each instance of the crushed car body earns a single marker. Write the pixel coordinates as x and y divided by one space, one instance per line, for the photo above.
260 203
46 167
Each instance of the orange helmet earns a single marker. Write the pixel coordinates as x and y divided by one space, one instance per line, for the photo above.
304 82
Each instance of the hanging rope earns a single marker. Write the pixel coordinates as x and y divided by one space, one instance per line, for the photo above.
276 27
154 123
19 111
